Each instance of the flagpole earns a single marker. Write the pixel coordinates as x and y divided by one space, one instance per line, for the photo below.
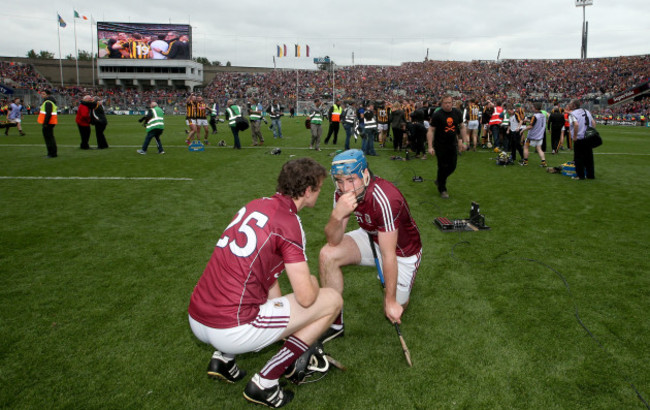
296 48
92 49
58 32
76 50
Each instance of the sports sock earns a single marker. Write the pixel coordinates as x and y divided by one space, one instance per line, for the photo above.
292 349
224 357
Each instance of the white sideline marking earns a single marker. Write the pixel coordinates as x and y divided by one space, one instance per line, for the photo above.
96 178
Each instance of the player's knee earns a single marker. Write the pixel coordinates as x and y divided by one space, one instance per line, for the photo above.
327 256
333 299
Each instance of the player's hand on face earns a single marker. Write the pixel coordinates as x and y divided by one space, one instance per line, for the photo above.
393 311
347 203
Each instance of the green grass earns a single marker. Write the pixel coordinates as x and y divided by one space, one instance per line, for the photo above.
96 275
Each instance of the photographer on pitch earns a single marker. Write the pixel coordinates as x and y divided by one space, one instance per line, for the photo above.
154 122
275 113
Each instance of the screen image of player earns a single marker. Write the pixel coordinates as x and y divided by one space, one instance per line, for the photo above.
144 41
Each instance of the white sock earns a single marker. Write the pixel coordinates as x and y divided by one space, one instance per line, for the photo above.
224 357
267 383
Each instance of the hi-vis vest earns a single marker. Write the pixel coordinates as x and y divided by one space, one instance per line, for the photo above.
234 112
54 119
336 113
157 121
254 116
316 117
370 124
496 116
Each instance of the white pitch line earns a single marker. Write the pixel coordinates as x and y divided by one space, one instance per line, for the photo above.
99 178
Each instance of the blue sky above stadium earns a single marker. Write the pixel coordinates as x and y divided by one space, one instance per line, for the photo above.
246 33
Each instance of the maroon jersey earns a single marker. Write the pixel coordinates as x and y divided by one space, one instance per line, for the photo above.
384 209
247 261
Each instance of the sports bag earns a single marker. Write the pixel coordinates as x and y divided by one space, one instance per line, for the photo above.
241 124
592 137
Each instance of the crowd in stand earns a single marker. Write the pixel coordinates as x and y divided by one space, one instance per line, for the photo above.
17 75
509 80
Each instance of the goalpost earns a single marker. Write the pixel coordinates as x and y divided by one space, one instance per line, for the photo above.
304 107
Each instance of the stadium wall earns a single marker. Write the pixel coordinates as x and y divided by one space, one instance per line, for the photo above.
49 68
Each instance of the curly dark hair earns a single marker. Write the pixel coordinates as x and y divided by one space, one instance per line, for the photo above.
298 174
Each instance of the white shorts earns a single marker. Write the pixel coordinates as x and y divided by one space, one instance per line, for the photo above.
16 121
202 122
190 122
268 326
407 267
382 127
535 143
472 125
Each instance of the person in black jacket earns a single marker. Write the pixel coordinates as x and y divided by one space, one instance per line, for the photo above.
48 118
99 121
555 124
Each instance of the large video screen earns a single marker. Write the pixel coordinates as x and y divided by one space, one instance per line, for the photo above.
144 41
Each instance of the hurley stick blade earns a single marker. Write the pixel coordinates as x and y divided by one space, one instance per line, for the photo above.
407 353
335 363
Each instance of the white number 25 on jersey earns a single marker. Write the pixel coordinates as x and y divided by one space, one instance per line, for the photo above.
247 230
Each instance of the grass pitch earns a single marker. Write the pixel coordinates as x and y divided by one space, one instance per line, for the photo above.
100 250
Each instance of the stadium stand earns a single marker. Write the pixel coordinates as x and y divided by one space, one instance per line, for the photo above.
593 80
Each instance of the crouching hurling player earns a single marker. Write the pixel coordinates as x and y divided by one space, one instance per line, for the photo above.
237 305
381 211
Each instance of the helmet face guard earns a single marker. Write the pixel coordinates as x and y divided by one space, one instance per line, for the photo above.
351 162
310 367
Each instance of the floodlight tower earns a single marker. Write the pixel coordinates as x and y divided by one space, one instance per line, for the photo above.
584 4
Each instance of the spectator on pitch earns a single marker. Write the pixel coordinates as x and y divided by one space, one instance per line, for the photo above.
237 305
583 154
48 118
99 121
535 136
233 112
14 116
555 125
154 122
275 113
398 125
384 218
316 125
445 124
418 132
83 120
513 133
